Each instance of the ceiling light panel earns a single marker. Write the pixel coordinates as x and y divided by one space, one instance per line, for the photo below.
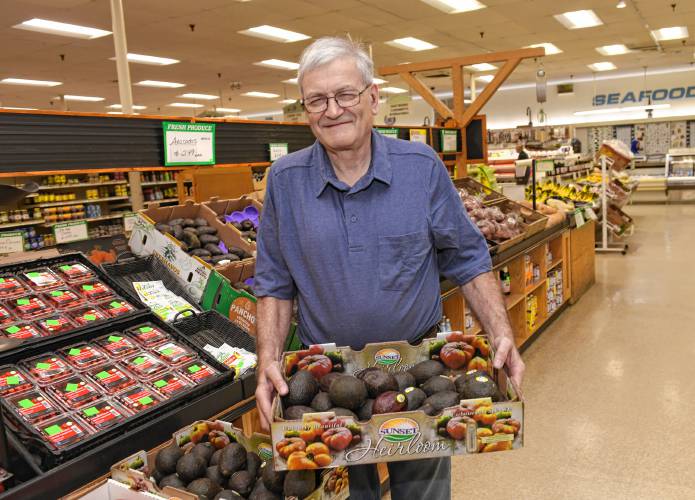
393 90
579 19
378 81
482 67
33 83
672 33
602 66
278 63
485 78
264 95
118 106
184 105
83 98
550 48
160 84
17 109
455 6
288 101
612 50
63 29
227 110
411 43
202 97
151 60
275 34
292 81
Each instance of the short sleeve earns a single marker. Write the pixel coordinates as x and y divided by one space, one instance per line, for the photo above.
272 278
462 253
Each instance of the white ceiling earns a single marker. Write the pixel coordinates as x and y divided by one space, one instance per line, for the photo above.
161 28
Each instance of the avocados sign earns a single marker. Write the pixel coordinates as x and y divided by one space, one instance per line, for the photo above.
643 96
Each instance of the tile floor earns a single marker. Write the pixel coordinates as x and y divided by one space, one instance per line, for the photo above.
609 385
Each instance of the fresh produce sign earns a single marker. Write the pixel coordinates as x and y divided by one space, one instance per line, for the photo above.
189 143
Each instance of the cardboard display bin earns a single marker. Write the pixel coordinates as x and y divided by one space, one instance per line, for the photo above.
226 207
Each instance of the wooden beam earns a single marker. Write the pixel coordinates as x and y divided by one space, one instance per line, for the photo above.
490 89
462 61
457 85
427 94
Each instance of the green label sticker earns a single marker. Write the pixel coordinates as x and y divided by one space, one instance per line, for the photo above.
57 293
102 375
160 383
87 288
65 267
43 366
25 403
2 280
115 303
13 380
52 322
71 387
33 275
23 302
168 351
194 368
145 329
138 361
90 412
145 401
89 317
115 338
13 329
52 430
74 352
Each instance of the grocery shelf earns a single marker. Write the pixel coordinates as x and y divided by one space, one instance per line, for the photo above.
555 263
513 299
32 222
165 200
81 184
90 219
157 183
536 285
78 202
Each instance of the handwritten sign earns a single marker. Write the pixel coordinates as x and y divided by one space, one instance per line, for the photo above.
129 221
67 232
418 135
11 242
449 140
277 150
388 132
189 143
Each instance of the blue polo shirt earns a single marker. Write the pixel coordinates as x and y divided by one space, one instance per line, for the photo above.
364 261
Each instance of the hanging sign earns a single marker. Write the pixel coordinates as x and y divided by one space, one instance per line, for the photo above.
418 135
448 140
277 150
67 232
293 112
189 143
399 105
388 132
11 242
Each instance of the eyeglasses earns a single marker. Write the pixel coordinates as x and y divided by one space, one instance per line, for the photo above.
345 99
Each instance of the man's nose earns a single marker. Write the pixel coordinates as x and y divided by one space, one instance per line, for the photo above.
333 110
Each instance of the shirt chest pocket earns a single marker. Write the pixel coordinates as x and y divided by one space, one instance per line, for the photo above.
400 259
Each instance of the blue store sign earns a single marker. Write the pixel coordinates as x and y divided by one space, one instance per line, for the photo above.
642 96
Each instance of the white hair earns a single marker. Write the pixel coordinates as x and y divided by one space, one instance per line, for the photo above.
328 49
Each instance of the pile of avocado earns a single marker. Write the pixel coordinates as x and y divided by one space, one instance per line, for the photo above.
199 239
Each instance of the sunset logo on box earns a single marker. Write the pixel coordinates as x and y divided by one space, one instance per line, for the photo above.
387 357
399 430
265 451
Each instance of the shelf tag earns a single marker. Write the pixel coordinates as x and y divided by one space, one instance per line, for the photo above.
68 232
11 242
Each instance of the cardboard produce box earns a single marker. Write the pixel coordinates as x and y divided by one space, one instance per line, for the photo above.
226 207
236 304
470 426
136 469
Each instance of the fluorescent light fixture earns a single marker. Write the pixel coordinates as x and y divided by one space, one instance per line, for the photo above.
550 48
227 110
482 67
64 29
151 60
672 33
621 4
291 81
278 63
467 101
17 109
262 115
119 113
118 106
579 19
602 66
613 50
158 84
411 43
393 90
628 109
184 105
455 6
275 34
378 81
203 97
264 95
288 101
485 78
83 98
35 83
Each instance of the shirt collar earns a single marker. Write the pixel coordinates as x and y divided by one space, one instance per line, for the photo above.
379 169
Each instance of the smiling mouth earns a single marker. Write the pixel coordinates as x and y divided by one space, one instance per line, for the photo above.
331 125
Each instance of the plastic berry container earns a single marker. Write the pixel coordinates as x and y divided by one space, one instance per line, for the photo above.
47 368
148 335
54 325
198 371
29 307
62 299
170 384
87 315
74 392
117 345
6 317
21 331
174 354
74 272
13 381
82 356
144 365
34 406
104 414
64 431
41 279
111 378
11 287
116 307
139 398
95 291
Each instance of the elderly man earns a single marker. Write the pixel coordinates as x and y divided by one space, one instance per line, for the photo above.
358 228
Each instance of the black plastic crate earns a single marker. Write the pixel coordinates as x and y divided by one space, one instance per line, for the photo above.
128 268
32 443
211 328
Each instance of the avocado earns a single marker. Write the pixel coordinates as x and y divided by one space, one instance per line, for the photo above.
213 249
404 380
296 412
414 397
188 223
321 402
232 459
378 382
425 370
208 238
215 458
389 402
441 400
205 488
177 231
440 383
326 381
348 392
343 412
477 385
176 222
190 467
213 473
191 230
242 482
191 240
163 228
253 463
173 481
365 411
260 492
299 483
271 478
302 388
206 230
199 221
428 409
204 451
165 461
157 476
228 495
246 225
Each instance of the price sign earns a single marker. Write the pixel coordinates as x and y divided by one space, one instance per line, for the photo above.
449 140
278 150
189 143
579 217
418 135
11 242
590 214
388 132
129 221
67 232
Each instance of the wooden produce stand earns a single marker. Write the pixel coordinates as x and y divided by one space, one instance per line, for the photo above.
582 262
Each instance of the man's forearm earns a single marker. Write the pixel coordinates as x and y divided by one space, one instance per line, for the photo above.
485 299
273 324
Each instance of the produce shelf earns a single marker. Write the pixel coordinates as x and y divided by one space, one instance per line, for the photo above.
32 222
157 183
78 202
81 184
91 219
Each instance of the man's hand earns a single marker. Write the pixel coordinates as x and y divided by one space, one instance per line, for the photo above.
269 381
507 354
